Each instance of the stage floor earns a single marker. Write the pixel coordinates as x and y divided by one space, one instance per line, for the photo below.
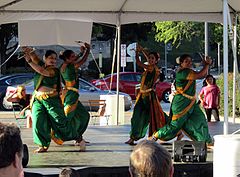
106 148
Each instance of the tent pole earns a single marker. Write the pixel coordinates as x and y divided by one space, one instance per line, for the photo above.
206 41
232 36
225 64
219 59
235 67
206 38
118 61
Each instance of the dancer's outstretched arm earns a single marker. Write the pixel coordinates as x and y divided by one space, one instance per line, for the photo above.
201 74
30 58
139 63
86 49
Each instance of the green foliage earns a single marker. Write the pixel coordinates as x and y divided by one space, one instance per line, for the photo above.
177 31
216 31
220 83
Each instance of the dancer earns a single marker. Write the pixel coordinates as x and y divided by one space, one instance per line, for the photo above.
147 110
70 95
210 97
23 100
47 110
186 113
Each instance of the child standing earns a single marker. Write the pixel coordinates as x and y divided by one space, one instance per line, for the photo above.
210 97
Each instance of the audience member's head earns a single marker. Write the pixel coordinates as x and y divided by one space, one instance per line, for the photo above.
150 159
11 151
69 172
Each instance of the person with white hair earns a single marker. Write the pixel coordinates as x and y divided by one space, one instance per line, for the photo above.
23 99
150 159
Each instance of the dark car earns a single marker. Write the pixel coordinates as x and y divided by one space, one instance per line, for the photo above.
10 80
128 82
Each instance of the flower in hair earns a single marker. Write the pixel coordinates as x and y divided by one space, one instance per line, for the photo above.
61 52
178 60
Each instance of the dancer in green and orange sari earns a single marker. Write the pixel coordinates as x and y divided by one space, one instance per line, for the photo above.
47 109
147 111
186 113
70 95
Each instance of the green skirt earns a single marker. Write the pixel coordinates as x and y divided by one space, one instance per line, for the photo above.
76 112
193 123
147 114
47 115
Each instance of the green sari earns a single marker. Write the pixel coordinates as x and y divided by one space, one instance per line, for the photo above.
72 106
47 111
147 112
186 113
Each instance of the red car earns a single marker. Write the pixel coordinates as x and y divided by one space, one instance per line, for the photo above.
128 82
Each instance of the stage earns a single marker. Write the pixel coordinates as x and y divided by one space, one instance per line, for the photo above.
106 154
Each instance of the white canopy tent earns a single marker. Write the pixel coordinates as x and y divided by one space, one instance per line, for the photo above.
115 11
119 12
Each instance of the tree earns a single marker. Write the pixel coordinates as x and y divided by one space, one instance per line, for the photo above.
176 32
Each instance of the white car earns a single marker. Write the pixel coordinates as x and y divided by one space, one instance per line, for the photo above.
86 92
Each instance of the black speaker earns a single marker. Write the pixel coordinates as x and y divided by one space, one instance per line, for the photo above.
189 151
25 158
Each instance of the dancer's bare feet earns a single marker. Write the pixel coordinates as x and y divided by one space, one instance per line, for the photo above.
210 146
179 135
153 138
41 149
130 142
81 143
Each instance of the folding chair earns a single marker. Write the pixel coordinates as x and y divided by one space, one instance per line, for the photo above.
21 120
101 106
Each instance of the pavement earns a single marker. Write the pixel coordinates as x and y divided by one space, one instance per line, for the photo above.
106 147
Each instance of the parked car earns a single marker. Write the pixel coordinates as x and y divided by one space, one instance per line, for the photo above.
86 92
10 80
128 82
171 74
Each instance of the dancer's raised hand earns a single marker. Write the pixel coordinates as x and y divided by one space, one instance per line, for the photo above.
207 60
